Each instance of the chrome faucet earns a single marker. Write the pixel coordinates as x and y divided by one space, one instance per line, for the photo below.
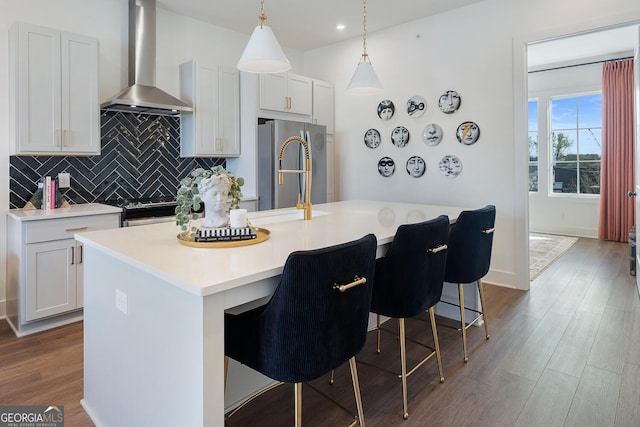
306 206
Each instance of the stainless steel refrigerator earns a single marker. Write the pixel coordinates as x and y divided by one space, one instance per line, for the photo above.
271 135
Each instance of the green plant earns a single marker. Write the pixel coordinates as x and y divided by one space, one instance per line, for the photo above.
188 198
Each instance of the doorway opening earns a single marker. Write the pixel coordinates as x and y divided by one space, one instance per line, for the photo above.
564 81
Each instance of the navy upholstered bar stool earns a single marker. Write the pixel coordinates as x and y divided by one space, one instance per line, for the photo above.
468 260
315 321
408 282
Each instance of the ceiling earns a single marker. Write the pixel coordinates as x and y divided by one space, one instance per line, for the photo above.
593 46
305 25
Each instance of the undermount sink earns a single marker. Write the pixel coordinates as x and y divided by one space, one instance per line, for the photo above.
270 217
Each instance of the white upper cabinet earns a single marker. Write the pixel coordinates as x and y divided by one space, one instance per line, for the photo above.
286 93
54 92
323 105
213 128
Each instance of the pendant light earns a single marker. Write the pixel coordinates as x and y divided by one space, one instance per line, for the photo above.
364 80
263 54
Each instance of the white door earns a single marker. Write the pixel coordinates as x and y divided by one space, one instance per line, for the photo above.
636 71
229 111
300 92
39 90
51 278
80 111
273 92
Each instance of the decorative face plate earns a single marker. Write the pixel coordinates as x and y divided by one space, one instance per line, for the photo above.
416 106
416 166
468 133
449 102
400 136
432 134
450 166
386 109
372 138
386 167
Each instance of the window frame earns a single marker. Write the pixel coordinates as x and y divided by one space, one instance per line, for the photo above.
537 132
550 130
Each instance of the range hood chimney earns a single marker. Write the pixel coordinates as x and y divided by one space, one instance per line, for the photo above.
142 96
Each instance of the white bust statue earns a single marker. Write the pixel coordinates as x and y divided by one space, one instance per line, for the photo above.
214 192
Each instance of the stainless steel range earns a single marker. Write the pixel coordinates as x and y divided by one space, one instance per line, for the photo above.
145 211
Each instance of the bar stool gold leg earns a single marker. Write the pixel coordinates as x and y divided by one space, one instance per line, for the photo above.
226 369
462 322
484 312
378 332
297 394
356 389
434 332
403 363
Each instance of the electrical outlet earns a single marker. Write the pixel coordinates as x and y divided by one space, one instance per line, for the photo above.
64 180
122 301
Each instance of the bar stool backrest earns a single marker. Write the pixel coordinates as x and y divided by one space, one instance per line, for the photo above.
410 276
470 244
309 326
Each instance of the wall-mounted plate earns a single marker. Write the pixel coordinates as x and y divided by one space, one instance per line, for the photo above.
400 136
468 133
386 167
386 109
450 166
432 134
449 102
372 138
416 106
416 166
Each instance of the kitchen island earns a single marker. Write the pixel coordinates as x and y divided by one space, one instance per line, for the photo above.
154 308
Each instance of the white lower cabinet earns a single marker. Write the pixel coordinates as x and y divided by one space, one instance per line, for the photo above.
52 282
45 269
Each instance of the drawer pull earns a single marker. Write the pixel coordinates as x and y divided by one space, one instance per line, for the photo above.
76 229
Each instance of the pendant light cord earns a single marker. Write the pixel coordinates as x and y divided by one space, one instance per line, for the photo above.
364 26
262 17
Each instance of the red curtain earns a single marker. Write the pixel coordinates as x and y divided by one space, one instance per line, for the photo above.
617 210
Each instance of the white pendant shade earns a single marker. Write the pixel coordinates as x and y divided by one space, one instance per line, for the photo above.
263 54
364 80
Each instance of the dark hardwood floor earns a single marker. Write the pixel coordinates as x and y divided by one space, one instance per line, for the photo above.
565 353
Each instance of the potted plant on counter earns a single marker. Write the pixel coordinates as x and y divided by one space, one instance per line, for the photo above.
190 202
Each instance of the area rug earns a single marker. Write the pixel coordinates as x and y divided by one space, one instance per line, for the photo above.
544 249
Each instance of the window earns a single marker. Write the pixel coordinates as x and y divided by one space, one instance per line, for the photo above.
533 145
576 152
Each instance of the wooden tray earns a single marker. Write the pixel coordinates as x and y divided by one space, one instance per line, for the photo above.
262 235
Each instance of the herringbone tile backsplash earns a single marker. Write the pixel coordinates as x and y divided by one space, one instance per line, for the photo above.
140 158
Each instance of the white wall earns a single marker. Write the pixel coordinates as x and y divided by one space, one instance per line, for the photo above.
548 212
479 51
179 39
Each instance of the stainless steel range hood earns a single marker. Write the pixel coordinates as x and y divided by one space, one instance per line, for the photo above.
142 96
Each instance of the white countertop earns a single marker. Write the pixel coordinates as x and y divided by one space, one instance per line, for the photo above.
156 250
71 211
